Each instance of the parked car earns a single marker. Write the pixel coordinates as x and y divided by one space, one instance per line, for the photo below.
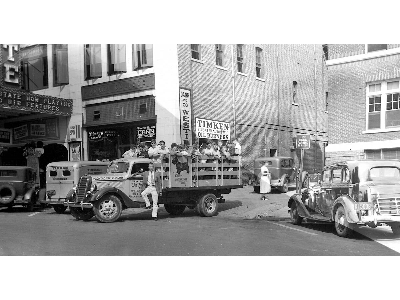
283 172
351 194
18 187
61 176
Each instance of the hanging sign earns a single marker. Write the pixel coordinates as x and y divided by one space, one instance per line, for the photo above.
5 136
303 141
186 115
213 130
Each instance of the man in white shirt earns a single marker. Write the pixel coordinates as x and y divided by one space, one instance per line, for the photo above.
151 185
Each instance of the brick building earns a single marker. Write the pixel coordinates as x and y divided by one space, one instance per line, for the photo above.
268 93
263 94
363 101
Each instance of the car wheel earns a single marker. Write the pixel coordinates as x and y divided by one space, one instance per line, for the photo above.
7 193
108 209
82 214
342 226
174 209
207 205
294 214
256 189
59 208
395 229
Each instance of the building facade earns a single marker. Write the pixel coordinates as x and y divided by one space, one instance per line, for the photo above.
363 101
261 95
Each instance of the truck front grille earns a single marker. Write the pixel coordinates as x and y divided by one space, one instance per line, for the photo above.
82 188
389 206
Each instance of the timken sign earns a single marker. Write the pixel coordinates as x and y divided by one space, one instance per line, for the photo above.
16 99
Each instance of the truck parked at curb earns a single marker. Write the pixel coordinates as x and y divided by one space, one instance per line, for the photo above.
188 184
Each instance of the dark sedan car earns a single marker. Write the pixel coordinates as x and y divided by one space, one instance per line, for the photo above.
18 186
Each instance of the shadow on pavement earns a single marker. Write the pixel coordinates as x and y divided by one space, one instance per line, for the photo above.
229 205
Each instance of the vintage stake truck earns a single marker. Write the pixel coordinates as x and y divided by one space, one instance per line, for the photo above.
185 184
351 194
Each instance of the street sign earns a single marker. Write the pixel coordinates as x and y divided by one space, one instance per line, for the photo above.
303 141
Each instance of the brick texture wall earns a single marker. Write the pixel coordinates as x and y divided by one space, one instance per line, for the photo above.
344 50
265 116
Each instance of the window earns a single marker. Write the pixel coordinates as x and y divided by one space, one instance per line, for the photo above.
294 91
195 49
325 51
34 67
219 54
92 61
259 66
60 64
326 101
383 101
116 58
376 47
143 108
336 175
96 115
142 56
240 58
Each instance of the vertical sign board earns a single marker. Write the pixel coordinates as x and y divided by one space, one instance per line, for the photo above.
5 136
186 115
303 141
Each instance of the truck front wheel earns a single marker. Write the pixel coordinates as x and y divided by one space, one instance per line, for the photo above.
82 214
207 205
174 209
108 209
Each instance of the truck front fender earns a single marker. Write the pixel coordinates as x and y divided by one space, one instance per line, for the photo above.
112 190
348 205
30 195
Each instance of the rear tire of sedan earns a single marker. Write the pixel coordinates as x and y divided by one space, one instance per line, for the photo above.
342 226
294 214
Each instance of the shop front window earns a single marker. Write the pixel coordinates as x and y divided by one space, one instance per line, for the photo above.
34 67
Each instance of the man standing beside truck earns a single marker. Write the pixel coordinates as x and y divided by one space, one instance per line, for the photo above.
151 185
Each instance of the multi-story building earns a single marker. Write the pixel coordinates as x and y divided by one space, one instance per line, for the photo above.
364 110
261 95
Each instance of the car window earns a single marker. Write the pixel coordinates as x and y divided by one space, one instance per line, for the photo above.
290 163
326 176
283 163
384 173
346 175
336 175
118 167
8 173
31 175
139 168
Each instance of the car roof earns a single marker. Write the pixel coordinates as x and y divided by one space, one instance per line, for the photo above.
78 163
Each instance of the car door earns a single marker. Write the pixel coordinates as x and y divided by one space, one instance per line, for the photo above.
325 192
135 181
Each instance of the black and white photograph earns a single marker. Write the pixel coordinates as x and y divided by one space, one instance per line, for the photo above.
131 157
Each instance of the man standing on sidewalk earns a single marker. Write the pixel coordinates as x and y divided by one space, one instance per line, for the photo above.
151 185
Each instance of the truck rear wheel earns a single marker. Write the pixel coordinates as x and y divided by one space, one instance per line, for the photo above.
207 205
174 209
82 214
59 208
108 209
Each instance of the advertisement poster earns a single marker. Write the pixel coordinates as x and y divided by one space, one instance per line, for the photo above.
213 130
186 116
146 133
75 151
5 136
38 130
21 132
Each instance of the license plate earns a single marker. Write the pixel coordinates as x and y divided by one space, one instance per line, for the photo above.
363 206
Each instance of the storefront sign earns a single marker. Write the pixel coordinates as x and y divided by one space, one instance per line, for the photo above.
45 129
118 87
213 130
144 132
303 141
186 115
37 103
38 130
21 132
98 135
10 64
5 136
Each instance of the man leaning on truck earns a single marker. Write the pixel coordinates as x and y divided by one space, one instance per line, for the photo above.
151 185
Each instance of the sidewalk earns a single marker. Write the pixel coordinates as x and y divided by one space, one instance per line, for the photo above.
244 203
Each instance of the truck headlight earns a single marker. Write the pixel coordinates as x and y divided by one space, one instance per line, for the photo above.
93 188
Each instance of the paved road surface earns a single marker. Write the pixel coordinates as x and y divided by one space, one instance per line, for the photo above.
48 233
